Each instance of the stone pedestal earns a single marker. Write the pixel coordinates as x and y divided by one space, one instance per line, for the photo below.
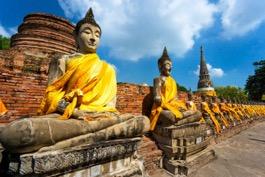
185 147
108 158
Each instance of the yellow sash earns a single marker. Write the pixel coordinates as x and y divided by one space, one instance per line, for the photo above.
233 112
206 108
88 84
169 102
3 109
216 110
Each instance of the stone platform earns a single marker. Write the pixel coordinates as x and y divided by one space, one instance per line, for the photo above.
191 164
108 158
184 147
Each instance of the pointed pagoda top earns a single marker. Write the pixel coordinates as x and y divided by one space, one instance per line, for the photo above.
164 56
203 66
204 77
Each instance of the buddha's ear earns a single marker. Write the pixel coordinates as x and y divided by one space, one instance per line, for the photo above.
76 40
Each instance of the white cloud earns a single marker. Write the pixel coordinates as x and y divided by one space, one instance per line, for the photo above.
7 32
4 32
214 72
134 29
241 16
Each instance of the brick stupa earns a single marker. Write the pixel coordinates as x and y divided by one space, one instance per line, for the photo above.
47 32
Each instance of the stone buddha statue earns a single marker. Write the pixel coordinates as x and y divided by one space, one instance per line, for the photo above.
189 103
79 104
245 107
237 108
233 111
214 105
242 108
208 115
226 111
167 108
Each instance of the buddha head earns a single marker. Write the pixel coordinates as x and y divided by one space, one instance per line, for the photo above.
215 99
203 97
165 64
210 99
87 34
190 95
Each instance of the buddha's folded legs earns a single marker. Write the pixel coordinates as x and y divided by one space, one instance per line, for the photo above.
168 118
127 129
31 134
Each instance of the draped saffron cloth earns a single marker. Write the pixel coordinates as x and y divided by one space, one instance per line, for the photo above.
217 111
88 84
206 108
233 112
168 102
3 109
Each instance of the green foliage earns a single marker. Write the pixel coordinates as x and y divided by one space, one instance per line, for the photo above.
255 84
231 92
4 42
182 88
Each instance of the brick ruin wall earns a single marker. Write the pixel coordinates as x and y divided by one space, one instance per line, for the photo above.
23 79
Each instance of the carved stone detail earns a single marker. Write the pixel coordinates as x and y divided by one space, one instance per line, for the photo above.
79 157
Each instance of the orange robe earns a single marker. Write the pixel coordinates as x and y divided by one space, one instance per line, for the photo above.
233 112
216 110
206 109
87 77
3 109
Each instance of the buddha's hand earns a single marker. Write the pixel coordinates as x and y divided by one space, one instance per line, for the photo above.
75 93
62 104
158 100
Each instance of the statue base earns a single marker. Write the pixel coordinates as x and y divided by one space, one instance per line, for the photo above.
191 164
107 158
185 147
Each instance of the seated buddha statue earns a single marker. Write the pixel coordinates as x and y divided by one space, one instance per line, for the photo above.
233 111
191 105
250 108
167 109
256 112
226 111
209 116
214 105
244 109
79 104
238 109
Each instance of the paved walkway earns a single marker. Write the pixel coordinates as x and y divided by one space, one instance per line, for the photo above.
243 155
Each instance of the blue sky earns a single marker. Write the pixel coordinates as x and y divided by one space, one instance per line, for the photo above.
135 32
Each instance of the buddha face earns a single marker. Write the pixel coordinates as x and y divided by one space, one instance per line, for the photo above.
215 99
165 68
189 96
88 38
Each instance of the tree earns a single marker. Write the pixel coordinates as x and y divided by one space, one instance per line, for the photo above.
4 42
181 88
255 84
231 92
